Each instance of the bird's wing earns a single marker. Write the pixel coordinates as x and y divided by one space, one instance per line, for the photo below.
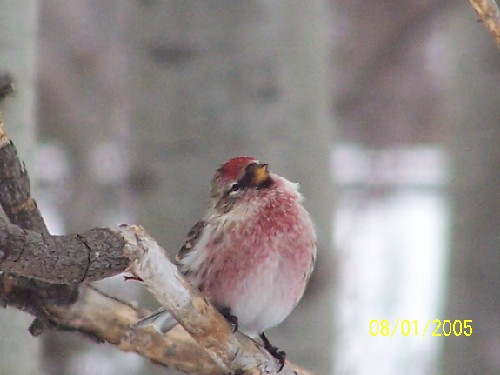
191 240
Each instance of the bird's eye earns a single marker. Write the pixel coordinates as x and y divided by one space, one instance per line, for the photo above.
235 187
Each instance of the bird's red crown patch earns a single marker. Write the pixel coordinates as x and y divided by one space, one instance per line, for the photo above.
232 168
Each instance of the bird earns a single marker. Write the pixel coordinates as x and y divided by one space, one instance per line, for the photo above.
253 252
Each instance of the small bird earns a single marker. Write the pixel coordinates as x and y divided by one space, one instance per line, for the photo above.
253 252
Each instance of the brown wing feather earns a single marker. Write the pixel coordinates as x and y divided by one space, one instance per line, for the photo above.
191 240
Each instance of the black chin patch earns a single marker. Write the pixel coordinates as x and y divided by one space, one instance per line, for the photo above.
266 184
245 183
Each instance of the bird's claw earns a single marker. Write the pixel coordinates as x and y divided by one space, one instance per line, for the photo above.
280 355
232 319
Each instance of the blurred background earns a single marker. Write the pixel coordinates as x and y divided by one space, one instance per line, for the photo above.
386 112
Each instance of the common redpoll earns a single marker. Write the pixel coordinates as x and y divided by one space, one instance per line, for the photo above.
253 252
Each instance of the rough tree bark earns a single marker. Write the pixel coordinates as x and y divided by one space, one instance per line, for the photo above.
130 249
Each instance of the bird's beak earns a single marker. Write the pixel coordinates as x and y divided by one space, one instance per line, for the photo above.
260 174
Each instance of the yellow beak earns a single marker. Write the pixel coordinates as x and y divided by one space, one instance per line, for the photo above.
260 174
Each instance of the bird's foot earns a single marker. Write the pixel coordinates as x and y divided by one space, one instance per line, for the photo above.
280 355
232 319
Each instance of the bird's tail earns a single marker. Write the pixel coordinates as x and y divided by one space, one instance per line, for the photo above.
161 319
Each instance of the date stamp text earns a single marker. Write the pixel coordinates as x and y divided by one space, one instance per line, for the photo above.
416 328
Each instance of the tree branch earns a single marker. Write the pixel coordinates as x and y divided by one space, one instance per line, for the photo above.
487 10
15 197
146 260
31 251
72 259
106 319
21 209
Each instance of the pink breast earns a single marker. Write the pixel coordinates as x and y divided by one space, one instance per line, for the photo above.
268 255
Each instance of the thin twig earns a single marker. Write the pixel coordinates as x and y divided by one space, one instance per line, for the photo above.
487 10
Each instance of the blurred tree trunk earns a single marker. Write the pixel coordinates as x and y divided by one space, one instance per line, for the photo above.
84 111
84 104
473 98
19 352
18 40
218 79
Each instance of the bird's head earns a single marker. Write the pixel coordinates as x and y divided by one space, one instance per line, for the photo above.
235 179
